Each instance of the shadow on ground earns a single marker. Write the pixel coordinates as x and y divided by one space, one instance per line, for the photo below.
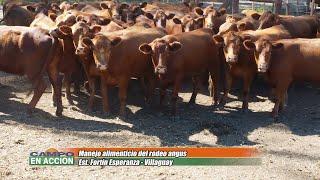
231 127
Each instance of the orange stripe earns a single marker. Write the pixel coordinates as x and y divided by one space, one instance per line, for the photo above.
191 152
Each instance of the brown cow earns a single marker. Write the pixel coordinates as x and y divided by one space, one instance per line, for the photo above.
248 23
213 19
299 27
119 59
240 61
284 61
22 14
65 60
183 55
81 30
18 16
189 23
251 13
29 51
160 18
240 64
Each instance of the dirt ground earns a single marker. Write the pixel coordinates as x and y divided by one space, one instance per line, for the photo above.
291 146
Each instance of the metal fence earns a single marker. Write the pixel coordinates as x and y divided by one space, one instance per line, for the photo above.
291 7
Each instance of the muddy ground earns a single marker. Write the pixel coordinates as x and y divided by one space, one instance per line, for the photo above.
291 146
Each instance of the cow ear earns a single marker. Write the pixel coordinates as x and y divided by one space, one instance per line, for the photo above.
80 18
176 21
104 21
218 40
95 29
87 42
170 16
53 16
198 11
149 16
104 5
145 48
277 45
222 11
249 45
31 8
174 46
66 30
143 5
74 5
242 26
255 16
116 41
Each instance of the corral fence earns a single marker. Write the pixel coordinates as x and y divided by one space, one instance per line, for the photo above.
289 7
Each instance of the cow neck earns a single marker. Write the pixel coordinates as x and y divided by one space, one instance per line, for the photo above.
245 56
68 44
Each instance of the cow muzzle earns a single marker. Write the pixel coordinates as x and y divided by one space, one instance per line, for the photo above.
263 68
209 25
102 67
161 70
232 59
80 51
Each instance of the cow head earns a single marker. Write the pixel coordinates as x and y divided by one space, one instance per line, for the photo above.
66 18
82 30
262 52
101 47
38 8
188 23
268 19
212 17
62 32
160 51
54 8
65 6
232 44
242 26
160 18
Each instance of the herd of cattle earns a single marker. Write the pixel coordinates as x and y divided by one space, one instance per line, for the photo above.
159 44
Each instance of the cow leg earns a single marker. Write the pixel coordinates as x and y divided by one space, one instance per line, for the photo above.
195 83
123 87
283 102
56 82
104 92
53 95
227 88
163 91
68 91
246 88
280 95
92 87
144 88
174 98
151 88
39 88
76 87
